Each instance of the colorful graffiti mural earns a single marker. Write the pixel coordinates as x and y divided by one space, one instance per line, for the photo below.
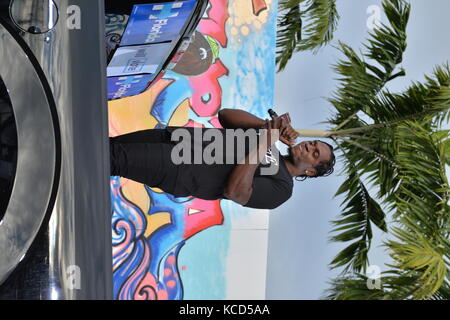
230 63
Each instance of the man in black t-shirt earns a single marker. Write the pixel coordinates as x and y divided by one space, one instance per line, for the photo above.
239 162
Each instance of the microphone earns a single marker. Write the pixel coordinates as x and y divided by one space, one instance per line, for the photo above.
272 113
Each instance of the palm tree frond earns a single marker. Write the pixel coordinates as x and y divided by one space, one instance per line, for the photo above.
289 33
321 18
354 287
361 81
414 254
424 190
360 211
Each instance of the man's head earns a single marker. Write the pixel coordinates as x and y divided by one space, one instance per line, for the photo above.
312 159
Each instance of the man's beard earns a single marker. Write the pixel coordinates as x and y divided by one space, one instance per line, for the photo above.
290 155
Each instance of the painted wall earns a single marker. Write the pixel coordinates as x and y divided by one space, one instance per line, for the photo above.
184 248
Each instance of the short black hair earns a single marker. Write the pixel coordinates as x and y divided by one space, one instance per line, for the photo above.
324 169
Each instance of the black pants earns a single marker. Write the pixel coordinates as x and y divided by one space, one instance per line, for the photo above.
144 156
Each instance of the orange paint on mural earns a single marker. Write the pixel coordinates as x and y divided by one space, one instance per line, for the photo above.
157 221
133 113
181 115
136 193
258 6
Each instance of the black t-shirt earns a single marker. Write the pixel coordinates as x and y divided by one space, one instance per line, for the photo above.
272 183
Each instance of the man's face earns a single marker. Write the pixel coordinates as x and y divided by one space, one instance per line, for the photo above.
309 154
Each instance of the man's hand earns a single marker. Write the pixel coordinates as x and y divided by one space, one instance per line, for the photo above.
287 133
270 134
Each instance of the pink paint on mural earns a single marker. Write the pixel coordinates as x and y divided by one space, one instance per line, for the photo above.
206 99
214 24
200 215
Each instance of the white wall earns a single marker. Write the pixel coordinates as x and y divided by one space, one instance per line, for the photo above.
247 256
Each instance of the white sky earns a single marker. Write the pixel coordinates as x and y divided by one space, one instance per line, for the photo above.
298 249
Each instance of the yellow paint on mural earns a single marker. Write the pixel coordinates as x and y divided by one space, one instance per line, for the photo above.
257 24
133 113
156 221
157 190
243 19
180 117
135 192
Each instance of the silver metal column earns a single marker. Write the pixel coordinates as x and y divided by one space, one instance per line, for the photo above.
64 154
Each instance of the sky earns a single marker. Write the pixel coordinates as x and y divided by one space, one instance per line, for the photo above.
299 250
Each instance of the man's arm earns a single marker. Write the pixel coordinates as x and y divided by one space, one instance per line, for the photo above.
239 186
240 182
236 118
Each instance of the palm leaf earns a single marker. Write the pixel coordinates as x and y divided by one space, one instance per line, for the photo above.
288 34
443 293
292 36
421 101
361 81
393 142
322 19
414 253
420 248
353 287
359 212
424 190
